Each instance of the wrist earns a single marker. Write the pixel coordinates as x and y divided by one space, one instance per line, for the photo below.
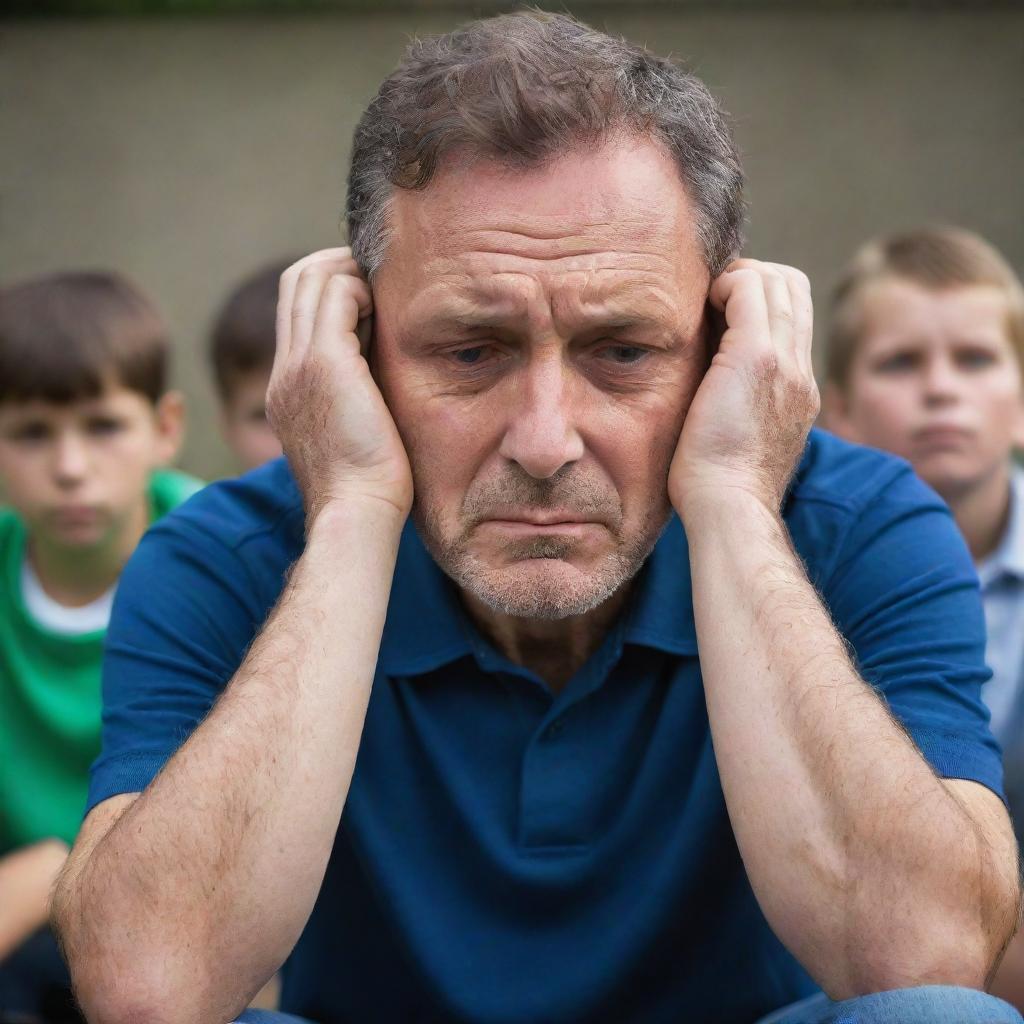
364 513
716 503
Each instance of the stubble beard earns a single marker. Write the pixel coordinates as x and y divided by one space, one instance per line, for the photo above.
538 581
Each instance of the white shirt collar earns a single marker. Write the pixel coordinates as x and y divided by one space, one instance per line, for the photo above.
58 618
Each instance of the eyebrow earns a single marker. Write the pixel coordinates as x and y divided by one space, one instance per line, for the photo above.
469 315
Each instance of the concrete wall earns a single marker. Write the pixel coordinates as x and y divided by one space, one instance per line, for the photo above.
187 152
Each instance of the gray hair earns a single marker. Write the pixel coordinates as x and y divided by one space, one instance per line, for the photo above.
526 87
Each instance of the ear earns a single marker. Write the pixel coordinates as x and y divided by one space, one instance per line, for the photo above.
169 414
835 411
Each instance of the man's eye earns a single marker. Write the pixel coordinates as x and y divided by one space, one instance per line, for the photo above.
625 355
470 356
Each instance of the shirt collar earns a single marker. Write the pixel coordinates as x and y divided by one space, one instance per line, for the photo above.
426 627
1008 558
661 609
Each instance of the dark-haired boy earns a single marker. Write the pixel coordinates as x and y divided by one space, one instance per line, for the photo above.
242 353
86 423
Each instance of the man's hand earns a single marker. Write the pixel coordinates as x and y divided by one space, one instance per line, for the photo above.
842 825
322 401
749 419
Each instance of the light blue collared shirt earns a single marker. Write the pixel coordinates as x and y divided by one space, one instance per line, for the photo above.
1002 592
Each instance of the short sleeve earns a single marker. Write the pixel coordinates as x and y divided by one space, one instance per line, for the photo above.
186 609
905 595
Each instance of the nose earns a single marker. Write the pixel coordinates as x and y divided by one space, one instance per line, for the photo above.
941 381
541 434
70 460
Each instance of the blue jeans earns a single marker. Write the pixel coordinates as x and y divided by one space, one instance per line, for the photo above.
269 1017
931 1004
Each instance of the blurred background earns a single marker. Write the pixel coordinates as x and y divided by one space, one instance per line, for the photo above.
188 142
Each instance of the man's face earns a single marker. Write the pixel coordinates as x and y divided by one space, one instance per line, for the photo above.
539 336
244 419
77 472
935 379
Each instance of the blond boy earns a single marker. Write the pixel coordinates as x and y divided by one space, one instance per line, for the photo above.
925 356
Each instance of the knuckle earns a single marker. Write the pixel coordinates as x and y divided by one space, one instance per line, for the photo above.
744 279
310 272
342 283
799 279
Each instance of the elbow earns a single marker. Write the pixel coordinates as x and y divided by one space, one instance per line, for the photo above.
139 990
1004 921
938 948
963 961
126 985
117 994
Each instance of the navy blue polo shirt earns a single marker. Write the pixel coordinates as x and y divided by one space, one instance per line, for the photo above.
508 855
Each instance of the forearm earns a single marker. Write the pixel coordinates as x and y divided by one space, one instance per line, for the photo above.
865 865
203 886
26 877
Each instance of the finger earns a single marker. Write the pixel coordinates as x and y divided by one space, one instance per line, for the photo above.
803 315
778 299
286 291
308 292
780 311
346 302
739 294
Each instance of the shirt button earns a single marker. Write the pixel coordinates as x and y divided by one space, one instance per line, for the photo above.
554 729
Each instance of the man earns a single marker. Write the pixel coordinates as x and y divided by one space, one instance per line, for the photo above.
549 819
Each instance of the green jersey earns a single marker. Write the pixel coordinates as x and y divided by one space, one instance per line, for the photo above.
50 699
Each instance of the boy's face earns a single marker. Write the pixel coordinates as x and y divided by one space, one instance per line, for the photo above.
244 420
935 379
77 472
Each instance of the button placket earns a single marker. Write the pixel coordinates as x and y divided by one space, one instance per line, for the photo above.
554 730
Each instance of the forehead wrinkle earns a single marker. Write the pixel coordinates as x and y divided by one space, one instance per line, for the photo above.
607 296
618 303
475 300
565 253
